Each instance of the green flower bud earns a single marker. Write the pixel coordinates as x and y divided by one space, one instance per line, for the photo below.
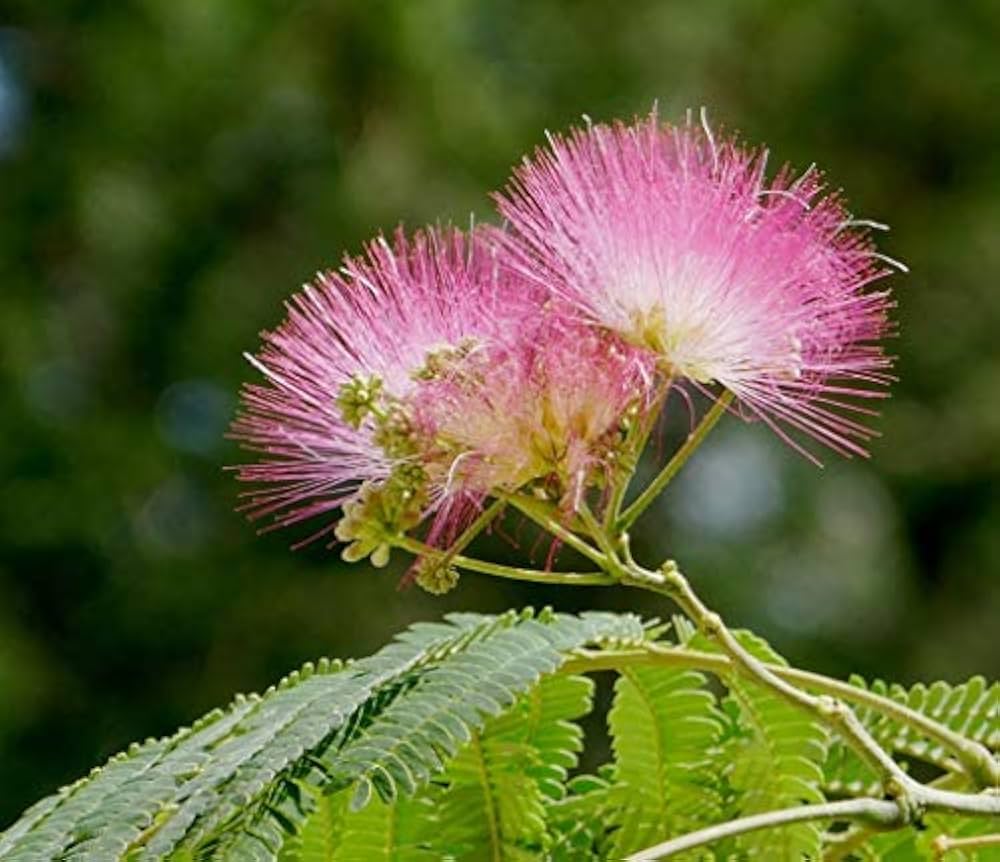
444 361
381 512
395 433
357 398
436 576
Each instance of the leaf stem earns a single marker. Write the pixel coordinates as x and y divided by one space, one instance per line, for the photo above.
673 466
846 843
720 665
910 796
877 811
944 844
981 764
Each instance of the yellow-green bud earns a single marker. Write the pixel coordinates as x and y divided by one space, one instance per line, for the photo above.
395 433
357 398
379 513
443 361
436 576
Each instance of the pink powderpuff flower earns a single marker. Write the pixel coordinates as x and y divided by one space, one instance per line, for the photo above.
420 381
548 410
676 240
354 336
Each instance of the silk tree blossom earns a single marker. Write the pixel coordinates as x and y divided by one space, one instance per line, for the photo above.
680 243
421 379
351 336
547 410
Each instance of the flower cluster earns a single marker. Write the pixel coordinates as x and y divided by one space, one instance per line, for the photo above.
679 243
446 368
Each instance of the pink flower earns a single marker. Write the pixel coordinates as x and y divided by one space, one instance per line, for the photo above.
429 377
679 243
546 409
361 334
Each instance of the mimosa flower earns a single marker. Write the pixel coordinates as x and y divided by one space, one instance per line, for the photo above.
352 340
547 410
679 243
417 382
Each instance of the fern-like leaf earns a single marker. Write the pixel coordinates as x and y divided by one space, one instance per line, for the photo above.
236 784
99 816
403 734
318 838
398 832
151 796
777 761
665 730
493 807
405 745
581 822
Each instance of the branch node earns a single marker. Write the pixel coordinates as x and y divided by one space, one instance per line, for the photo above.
712 625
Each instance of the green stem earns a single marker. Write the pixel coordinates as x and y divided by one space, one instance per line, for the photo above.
632 451
680 657
484 519
673 466
910 796
597 531
513 573
541 514
877 811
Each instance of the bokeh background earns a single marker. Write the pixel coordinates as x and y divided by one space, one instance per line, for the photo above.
170 170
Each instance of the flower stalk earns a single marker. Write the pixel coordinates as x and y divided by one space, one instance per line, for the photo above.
911 797
638 435
512 573
944 844
674 465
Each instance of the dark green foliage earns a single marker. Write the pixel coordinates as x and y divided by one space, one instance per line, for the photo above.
458 742
233 785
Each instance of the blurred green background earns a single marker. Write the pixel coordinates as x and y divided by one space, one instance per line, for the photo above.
170 170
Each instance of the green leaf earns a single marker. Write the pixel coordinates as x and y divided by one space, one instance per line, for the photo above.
210 771
665 728
400 832
496 788
318 837
239 782
776 761
916 845
406 743
581 822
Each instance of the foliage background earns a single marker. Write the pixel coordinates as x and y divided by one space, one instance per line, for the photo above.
171 169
